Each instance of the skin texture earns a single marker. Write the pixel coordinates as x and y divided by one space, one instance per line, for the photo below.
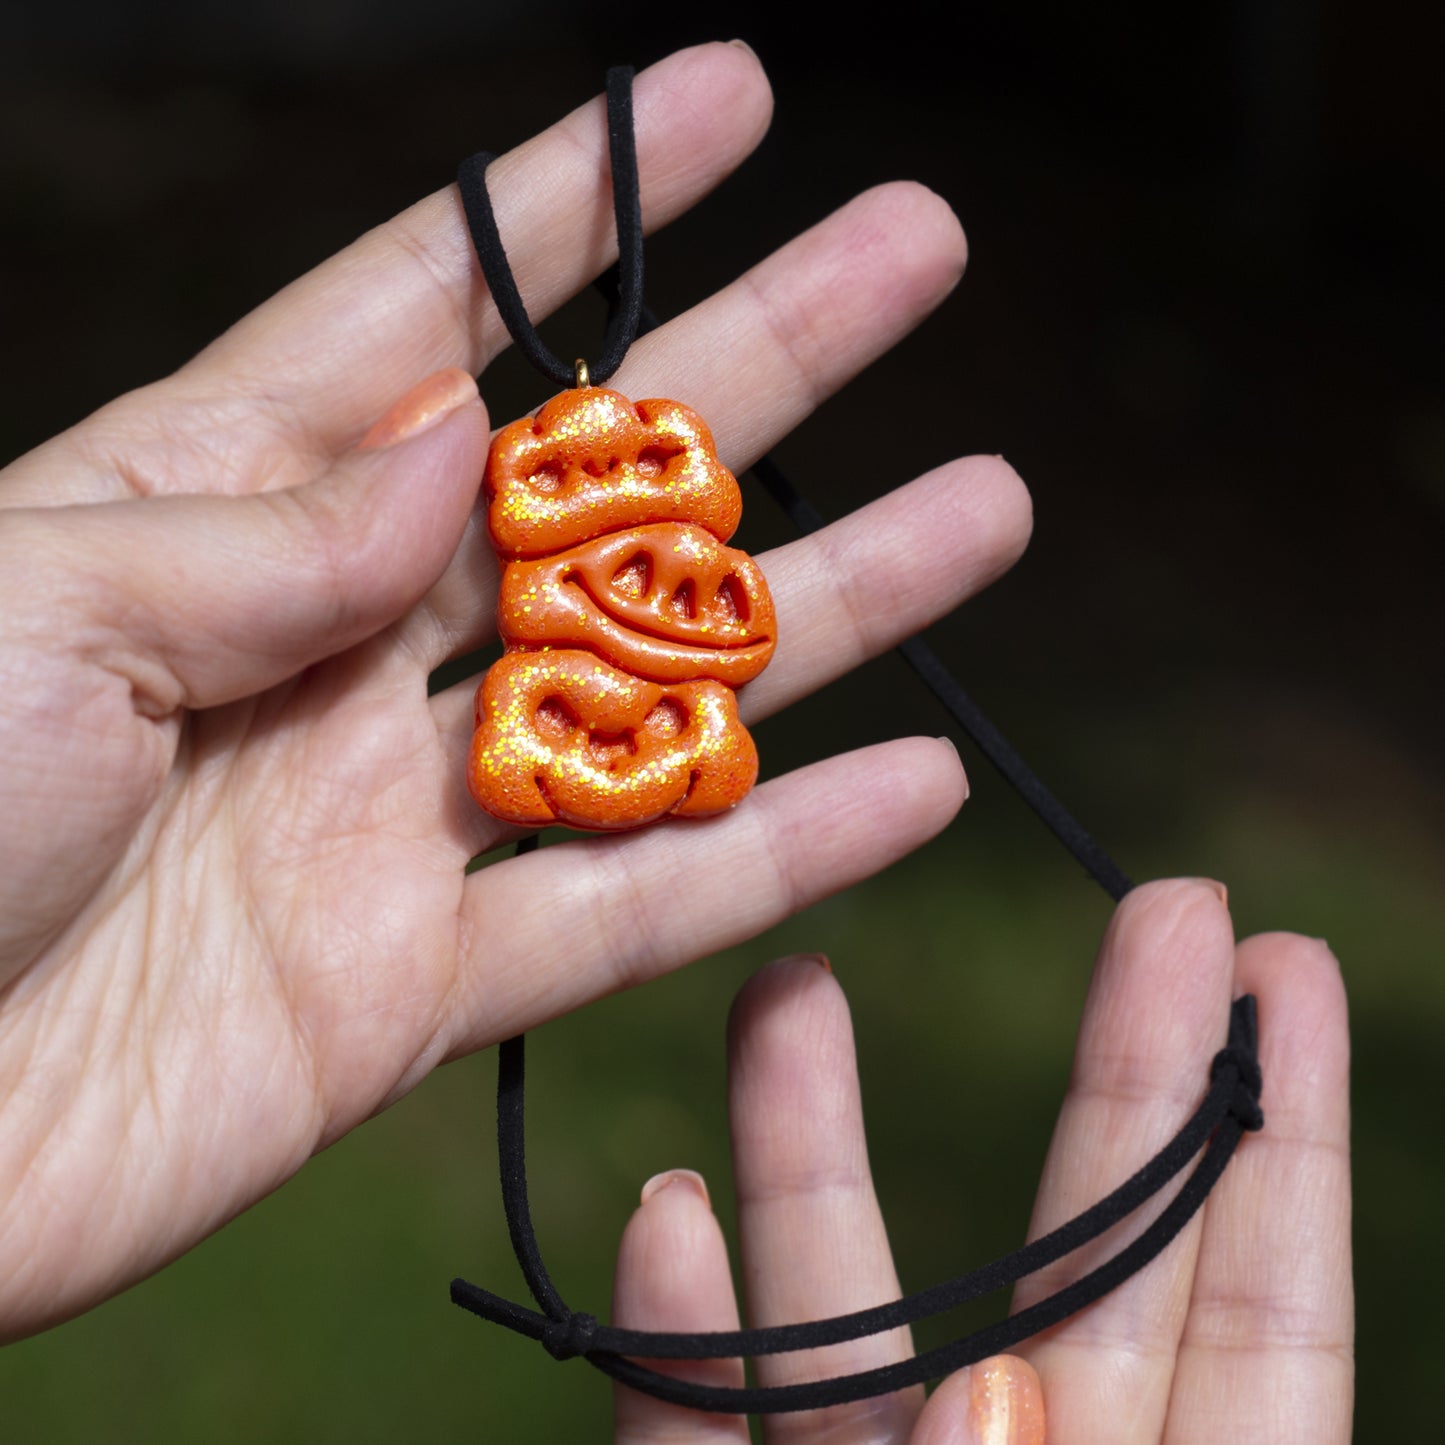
234 917
1241 1330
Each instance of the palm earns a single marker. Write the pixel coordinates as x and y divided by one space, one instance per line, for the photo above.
331 879
234 919
293 979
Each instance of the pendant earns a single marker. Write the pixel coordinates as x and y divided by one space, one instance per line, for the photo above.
628 622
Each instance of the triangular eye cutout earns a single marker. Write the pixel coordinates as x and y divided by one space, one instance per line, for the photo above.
683 602
730 601
634 577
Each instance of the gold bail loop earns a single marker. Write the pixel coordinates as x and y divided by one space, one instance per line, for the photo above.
579 367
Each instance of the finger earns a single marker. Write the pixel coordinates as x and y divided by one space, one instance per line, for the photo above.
638 905
408 299
758 357
851 591
1268 1346
1157 1011
192 601
843 595
812 1235
672 1274
998 1401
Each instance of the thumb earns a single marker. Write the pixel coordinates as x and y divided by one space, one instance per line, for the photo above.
197 600
998 1401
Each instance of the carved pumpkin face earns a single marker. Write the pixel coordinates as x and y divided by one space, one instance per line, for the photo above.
562 737
627 620
667 602
592 462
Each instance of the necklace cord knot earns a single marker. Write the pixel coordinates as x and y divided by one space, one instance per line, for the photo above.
570 1336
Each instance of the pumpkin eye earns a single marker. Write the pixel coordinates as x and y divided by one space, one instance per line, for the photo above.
652 461
730 602
683 602
634 577
554 718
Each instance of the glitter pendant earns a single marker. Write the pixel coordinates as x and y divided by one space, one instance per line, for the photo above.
628 622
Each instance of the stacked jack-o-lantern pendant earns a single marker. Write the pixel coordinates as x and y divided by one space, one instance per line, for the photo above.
628 623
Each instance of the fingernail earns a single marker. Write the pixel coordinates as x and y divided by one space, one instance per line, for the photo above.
1006 1404
689 1178
426 404
1216 886
821 959
954 746
743 45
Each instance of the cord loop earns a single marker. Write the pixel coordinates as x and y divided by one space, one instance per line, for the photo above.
622 319
570 1336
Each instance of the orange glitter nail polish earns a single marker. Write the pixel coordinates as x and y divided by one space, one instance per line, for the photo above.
1006 1405
429 402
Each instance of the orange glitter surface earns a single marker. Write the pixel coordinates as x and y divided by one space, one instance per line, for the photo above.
592 462
563 737
627 621
667 602
1007 1404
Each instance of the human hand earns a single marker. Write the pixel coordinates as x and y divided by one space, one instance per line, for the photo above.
1241 1330
234 920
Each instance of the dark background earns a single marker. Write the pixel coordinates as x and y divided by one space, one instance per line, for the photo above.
1202 317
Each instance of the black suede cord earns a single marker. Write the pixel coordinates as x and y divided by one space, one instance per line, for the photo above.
929 668
1230 1106
626 207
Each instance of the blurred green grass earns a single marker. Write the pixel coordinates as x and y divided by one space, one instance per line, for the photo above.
322 1313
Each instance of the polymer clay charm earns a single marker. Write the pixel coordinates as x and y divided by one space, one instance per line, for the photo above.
668 602
592 462
627 620
564 737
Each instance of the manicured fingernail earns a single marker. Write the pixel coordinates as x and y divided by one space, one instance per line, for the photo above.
688 1178
427 403
1006 1404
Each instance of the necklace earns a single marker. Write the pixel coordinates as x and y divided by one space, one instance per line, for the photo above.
628 621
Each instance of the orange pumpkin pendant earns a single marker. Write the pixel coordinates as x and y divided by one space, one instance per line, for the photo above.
627 621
